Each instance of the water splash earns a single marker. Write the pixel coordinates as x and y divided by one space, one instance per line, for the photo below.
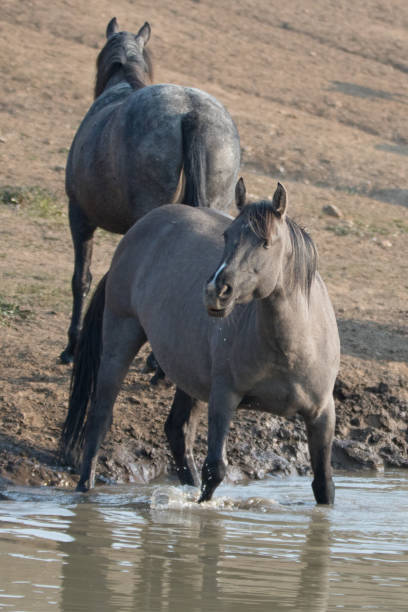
182 498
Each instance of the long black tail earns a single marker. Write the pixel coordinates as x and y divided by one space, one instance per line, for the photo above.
194 154
83 380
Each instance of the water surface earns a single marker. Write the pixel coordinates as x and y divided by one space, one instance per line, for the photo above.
261 546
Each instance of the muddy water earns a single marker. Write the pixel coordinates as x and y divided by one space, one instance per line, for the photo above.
263 546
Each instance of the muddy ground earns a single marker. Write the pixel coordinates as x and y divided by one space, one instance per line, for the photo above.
319 92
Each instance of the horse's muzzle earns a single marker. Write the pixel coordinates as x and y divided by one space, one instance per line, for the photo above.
218 302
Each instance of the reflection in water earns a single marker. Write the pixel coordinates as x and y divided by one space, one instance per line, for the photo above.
86 562
166 560
112 551
313 594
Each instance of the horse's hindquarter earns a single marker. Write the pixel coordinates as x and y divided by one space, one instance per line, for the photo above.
127 155
95 161
157 113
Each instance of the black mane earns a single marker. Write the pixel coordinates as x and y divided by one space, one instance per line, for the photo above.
261 217
122 52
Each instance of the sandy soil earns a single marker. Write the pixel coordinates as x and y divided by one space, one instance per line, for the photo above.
319 92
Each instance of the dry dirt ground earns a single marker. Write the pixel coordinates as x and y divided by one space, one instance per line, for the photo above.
319 92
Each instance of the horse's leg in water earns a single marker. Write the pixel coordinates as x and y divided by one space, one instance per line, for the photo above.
122 339
320 433
82 234
180 428
221 407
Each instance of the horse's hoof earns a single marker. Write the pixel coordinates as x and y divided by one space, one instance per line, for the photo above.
66 357
150 365
206 494
81 488
324 492
160 375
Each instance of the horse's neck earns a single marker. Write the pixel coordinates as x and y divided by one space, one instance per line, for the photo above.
115 79
120 77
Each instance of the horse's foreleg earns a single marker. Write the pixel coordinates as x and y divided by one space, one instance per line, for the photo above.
320 432
180 428
221 407
82 236
121 341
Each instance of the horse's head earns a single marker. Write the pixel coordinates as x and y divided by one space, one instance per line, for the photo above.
124 57
251 264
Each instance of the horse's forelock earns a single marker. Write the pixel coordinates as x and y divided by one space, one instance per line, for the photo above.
260 218
122 51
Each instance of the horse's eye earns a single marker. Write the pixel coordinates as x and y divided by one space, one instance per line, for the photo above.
265 244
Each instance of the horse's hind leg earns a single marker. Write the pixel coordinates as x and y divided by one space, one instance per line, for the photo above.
180 428
152 365
122 339
320 432
82 234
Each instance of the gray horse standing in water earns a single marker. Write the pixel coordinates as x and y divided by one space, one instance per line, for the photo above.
265 337
141 146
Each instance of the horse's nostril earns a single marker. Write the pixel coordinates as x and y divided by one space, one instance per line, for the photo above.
225 291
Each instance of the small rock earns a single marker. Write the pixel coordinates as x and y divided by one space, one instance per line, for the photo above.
332 211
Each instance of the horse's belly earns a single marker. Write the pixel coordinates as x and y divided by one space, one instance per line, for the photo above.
273 406
182 370
282 398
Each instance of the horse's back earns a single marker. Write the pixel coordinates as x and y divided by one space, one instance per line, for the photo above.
169 236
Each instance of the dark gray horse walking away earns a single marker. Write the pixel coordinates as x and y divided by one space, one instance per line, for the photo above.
270 342
138 147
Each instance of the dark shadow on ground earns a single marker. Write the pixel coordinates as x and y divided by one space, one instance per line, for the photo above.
390 196
372 340
360 91
399 149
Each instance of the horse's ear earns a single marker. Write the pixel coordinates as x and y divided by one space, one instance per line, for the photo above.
280 200
240 194
112 28
144 33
